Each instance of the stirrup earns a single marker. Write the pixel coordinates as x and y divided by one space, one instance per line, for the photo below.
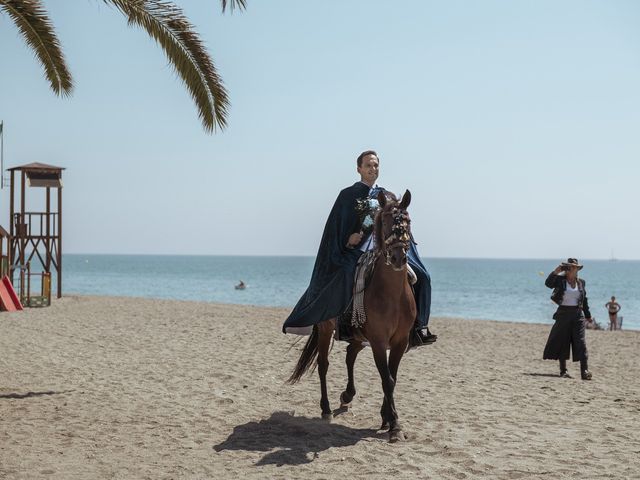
418 339
428 337
414 340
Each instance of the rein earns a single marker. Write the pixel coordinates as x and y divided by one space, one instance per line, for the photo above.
399 235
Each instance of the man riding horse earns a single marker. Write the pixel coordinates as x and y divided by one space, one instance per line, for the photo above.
344 240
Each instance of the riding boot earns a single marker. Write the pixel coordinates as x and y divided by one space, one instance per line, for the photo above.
421 336
563 368
584 370
426 336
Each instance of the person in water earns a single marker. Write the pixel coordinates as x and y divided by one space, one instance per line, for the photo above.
613 308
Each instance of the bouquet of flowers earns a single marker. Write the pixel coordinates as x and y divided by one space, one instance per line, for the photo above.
366 208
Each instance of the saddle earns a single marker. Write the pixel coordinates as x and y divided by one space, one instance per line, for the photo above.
355 316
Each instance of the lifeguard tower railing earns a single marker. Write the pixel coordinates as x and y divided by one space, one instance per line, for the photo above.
39 229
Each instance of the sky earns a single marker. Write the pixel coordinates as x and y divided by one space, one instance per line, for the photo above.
513 123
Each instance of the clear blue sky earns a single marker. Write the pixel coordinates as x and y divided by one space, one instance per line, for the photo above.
514 124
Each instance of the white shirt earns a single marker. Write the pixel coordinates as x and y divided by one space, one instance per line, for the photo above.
571 295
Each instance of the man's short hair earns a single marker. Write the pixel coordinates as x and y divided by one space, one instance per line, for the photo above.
364 154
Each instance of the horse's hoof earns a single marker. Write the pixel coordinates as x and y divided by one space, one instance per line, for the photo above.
344 404
327 417
384 426
397 436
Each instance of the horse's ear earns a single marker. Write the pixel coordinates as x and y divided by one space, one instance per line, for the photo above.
382 199
406 200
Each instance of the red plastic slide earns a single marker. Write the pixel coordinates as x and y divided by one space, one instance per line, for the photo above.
9 301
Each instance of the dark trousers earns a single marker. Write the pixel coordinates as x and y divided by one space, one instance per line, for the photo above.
422 292
422 288
567 333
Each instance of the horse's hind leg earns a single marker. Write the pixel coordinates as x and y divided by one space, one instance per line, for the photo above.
352 352
325 332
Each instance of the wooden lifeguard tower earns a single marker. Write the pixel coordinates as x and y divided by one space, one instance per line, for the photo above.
36 234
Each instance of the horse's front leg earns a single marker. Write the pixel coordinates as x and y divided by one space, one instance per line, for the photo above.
325 332
395 356
347 396
388 411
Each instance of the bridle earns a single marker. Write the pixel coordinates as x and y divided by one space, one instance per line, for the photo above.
399 236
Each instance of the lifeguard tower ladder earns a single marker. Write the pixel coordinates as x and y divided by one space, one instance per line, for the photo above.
36 234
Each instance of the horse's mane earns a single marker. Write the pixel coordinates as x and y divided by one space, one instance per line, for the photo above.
377 229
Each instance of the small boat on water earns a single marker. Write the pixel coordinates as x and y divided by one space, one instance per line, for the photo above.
241 286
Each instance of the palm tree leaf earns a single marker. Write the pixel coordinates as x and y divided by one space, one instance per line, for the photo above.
167 25
233 4
34 25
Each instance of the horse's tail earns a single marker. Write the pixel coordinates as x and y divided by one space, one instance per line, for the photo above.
307 357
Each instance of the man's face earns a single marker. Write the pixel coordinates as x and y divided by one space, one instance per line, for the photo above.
369 169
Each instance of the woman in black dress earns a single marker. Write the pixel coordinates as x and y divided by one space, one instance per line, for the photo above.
569 330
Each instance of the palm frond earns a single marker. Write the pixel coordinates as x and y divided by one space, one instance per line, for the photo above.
233 4
30 17
167 25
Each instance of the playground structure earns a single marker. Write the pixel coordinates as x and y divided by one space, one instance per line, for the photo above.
5 246
9 300
33 237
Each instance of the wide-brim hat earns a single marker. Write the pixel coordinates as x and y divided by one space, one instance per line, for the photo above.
572 262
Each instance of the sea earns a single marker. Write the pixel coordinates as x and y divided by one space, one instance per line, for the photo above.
490 289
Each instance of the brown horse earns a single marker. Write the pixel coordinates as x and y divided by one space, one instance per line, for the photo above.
390 310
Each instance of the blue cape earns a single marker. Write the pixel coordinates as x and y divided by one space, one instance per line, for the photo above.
331 287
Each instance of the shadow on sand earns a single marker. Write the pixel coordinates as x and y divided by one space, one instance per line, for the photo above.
296 440
553 375
31 394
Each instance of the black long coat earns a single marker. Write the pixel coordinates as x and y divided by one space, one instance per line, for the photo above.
568 331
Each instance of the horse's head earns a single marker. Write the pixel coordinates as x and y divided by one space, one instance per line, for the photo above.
393 230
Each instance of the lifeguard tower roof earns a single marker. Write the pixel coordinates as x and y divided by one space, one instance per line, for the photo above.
41 174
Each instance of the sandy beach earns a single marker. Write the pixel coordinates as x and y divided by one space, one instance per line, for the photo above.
105 387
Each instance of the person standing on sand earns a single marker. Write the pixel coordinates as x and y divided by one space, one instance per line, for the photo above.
345 238
613 307
569 329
